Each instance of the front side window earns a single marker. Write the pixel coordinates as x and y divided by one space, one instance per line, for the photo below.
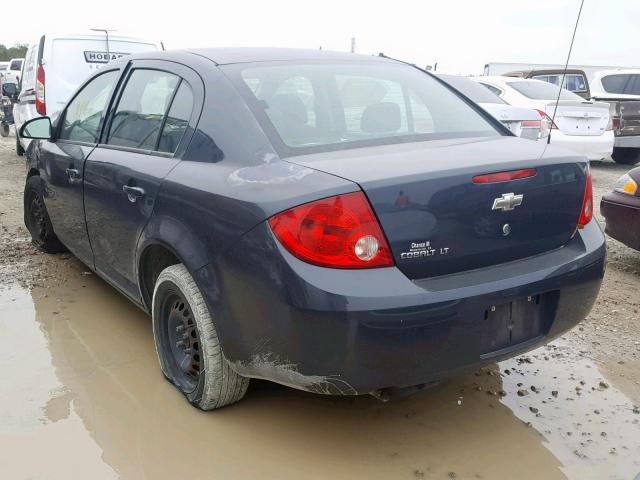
138 119
311 107
83 117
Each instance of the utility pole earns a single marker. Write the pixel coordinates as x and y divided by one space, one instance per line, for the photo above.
353 44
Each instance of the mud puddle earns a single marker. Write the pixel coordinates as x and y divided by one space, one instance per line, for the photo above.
82 397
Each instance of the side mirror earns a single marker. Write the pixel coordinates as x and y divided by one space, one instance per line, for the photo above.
37 128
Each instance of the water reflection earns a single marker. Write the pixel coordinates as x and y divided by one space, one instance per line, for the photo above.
82 389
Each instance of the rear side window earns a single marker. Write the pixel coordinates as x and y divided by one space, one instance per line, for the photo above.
177 119
492 89
83 117
626 84
139 117
313 107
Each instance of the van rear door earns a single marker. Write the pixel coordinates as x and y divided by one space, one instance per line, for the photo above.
69 60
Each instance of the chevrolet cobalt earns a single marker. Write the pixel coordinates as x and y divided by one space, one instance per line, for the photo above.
337 223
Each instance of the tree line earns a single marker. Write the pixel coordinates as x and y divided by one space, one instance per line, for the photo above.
17 51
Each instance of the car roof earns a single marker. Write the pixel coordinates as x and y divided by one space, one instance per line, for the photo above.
223 56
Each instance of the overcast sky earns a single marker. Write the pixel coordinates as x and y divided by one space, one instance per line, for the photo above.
461 35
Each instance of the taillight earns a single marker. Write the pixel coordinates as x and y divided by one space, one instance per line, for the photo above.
41 106
542 129
586 214
336 232
547 124
614 123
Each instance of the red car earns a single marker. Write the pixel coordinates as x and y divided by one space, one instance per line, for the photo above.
621 209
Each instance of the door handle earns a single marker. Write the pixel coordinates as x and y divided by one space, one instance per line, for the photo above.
133 193
73 174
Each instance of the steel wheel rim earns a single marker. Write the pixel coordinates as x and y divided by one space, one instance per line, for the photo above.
182 340
38 223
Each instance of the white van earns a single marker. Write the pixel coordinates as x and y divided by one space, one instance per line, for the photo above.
58 64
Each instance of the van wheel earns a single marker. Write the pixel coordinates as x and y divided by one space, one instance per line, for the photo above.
19 149
626 156
36 218
4 130
187 343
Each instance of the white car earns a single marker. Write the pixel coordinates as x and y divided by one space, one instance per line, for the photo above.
522 122
57 65
12 74
579 125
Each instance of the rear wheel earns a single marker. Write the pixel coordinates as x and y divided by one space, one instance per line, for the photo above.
19 149
187 343
4 130
626 156
36 218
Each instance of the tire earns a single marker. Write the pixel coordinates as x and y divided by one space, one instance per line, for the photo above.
19 149
187 344
626 156
4 130
36 218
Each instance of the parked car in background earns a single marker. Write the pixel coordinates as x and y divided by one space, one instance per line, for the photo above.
338 223
523 122
14 70
621 210
58 63
582 126
621 88
574 80
3 69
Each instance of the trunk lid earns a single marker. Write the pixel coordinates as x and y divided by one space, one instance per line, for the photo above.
580 118
437 221
512 117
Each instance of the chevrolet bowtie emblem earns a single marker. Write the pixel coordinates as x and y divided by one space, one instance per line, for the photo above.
507 202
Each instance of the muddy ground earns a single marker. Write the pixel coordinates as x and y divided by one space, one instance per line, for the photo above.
81 394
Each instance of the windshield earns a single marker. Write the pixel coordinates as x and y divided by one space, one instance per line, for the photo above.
312 107
538 90
476 92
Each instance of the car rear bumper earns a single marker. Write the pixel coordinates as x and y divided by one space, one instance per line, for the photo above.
630 141
622 214
594 147
357 331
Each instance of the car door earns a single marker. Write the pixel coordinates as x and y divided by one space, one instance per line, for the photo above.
147 131
62 161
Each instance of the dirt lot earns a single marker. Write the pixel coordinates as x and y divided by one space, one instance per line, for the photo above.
81 395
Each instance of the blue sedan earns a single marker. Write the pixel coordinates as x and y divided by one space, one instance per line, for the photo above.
341 224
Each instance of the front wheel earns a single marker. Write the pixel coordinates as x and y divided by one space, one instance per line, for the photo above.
187 343
36 218
626 156
19 149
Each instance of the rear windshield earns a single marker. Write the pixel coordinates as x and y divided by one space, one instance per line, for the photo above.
476 92
574 82
537 90
627 84
314 107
